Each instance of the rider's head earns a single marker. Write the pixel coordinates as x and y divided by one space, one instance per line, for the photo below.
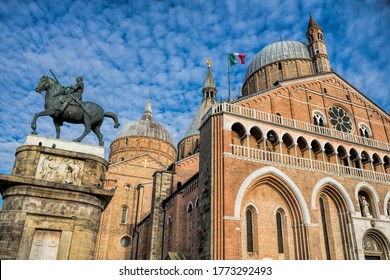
79 79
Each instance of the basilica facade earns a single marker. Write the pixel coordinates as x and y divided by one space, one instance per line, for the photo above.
296 168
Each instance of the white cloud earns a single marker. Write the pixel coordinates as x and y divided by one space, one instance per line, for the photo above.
126 51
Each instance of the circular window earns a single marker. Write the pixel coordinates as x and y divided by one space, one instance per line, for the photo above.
340 119
125 241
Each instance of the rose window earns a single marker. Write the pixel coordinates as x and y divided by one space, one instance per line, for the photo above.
340 119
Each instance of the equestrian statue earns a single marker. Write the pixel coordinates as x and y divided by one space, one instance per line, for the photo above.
64 104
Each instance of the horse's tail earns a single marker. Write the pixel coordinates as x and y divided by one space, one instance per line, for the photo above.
114 117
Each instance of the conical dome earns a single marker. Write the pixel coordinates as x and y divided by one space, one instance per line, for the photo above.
209 92
190 142
145 127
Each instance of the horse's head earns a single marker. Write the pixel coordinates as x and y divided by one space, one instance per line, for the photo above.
43 84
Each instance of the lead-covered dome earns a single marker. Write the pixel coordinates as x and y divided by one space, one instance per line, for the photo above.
145 127
282 50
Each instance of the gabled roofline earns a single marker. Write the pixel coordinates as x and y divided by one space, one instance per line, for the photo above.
307 77
137 156
181 188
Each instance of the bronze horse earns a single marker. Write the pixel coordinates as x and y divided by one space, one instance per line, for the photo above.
90 114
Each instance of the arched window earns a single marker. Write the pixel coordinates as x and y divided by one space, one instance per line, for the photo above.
272 140
189 207
255 138
249 231
279 229
364 130
376 162
343 156
238 134
288 143
319 118
316 149
330 153
354 158
325 228
124 215
386 164
170 230
302 145
365 160
367 204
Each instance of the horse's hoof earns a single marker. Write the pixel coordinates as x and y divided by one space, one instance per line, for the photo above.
76 140
34 132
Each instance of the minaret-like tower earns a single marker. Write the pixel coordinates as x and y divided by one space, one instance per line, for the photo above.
148 111
190 143
317 48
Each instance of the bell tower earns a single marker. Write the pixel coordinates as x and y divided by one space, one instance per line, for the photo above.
317 47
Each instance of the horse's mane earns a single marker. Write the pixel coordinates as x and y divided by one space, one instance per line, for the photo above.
51 79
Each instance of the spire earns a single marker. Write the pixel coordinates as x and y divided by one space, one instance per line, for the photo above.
209 98
148 111
209 89
317 47
313 23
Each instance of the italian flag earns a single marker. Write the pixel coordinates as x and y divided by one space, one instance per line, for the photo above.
236 58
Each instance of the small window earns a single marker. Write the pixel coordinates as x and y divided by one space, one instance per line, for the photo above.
319 118
249 231
325 90
189 207
124 215
280 66
364 130
125 241
279 232
325 229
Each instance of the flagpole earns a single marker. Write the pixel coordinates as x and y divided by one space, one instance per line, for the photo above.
228 61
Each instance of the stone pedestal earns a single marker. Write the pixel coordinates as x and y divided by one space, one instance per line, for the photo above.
53 201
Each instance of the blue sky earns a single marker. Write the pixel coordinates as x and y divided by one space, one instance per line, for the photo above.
128 49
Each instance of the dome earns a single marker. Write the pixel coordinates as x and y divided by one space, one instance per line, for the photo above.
282 50
145 127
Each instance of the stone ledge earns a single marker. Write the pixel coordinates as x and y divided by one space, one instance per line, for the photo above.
10 180
43 141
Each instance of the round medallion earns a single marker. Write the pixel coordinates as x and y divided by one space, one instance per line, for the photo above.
340 119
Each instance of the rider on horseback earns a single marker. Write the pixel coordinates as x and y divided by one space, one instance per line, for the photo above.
73 93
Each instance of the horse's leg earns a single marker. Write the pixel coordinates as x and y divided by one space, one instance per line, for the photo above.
96 130
48 112
87 128
58 129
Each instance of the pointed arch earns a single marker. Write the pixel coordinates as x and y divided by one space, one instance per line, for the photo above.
373 196
380 247
338 186
386 206
270 170
335 208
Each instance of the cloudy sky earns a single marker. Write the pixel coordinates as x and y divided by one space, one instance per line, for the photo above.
126 50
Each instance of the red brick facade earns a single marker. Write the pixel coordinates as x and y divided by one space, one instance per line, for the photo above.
298 168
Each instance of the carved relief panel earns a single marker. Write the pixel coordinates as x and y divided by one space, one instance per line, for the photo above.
59 169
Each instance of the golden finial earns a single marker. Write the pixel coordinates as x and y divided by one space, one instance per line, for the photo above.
209 61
